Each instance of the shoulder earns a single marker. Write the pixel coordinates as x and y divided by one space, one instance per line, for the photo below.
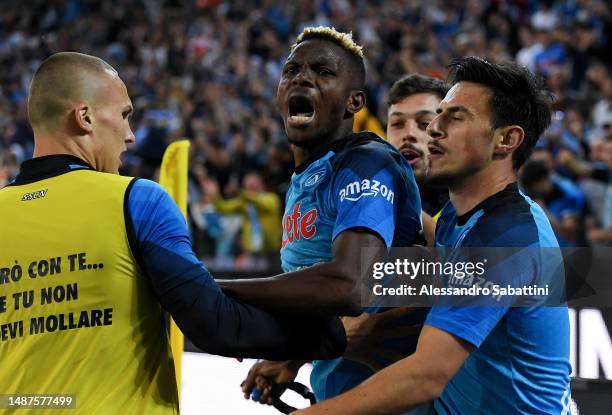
151 210
368 153
144 189
365 145
145 198
103 181
513 220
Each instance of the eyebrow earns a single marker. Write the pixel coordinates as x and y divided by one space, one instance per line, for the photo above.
416 114
456 108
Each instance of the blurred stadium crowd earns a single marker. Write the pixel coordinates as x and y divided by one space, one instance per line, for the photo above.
208 70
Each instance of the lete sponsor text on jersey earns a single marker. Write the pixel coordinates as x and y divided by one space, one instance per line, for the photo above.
364 188
296 225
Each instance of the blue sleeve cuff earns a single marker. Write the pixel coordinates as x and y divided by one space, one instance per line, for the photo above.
356 224
472 324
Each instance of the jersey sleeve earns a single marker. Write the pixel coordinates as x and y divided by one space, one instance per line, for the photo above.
472 324
513 261
213 321
365 190
473 317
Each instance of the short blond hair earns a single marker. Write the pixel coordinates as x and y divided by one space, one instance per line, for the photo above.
344 40
59 81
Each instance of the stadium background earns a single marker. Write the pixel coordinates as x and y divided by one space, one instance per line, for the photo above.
208 70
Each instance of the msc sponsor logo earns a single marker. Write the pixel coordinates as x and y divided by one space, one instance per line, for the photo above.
296 225
34 195
314 178
364 188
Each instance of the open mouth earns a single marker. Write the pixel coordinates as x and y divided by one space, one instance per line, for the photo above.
301 110
411 155
435 152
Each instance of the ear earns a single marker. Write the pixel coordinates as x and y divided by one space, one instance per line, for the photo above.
507 140
83 118
356 101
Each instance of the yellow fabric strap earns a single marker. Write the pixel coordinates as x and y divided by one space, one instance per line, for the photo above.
173 177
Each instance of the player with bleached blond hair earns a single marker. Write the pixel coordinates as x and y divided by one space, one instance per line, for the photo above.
349 191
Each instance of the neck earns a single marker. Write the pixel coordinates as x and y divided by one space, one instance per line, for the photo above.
59 143
302 154
471 191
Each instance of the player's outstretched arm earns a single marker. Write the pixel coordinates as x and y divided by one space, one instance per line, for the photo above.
415 380
326 289
213 321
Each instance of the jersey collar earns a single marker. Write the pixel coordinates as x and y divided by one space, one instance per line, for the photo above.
44 167
351 140
488 203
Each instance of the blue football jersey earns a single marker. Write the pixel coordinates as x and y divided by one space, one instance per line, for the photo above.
520 361
361 182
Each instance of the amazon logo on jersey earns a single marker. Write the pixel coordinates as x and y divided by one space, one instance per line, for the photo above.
296 225
364 188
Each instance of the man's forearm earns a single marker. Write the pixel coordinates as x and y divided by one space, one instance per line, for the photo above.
413 381
240 330
394 390
220 325
329 288
319 289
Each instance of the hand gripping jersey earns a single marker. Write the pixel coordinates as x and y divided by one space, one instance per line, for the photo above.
520 361
361 182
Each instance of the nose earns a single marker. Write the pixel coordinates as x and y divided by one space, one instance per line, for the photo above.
302 78
131 138
409 134
434 130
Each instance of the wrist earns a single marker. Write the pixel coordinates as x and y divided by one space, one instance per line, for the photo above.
295 365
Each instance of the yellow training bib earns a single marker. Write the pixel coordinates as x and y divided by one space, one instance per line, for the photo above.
76 315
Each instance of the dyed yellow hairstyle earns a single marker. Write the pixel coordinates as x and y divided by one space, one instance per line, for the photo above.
344 40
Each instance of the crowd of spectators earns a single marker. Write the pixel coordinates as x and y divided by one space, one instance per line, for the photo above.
208 70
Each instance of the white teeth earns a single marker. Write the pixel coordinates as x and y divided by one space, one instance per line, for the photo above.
300 118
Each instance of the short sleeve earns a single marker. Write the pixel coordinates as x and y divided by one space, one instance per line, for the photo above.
507 270
365 190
